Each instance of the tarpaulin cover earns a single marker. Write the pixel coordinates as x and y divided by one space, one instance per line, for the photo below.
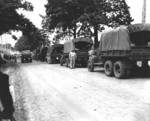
139 33
53 47
116 39
138 27
69 45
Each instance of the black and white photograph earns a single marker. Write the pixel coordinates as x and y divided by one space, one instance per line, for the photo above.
74 60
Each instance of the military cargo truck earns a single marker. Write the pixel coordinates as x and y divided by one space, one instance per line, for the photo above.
54 53
81 46
26 56
122 49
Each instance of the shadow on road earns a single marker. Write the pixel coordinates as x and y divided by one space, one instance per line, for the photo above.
137 73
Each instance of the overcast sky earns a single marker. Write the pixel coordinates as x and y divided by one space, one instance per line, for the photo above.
135 10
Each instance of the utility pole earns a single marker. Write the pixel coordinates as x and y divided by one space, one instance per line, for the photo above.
144 12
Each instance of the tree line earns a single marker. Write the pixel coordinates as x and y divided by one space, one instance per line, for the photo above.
10 20
84 17
66 17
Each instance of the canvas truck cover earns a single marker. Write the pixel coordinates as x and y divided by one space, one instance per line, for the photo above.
139 33
116 39
69 45
138 28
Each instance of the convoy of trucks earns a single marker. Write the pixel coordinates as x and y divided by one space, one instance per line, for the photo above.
120 52
121 49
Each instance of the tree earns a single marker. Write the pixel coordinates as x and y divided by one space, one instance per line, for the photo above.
100 13
22 44
31 40
92 14
62 14
9 17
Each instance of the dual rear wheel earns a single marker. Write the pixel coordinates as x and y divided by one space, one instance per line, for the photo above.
119 69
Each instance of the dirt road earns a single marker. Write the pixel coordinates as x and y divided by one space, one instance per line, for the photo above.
55 93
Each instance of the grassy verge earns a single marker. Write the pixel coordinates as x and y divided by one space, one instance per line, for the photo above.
15 77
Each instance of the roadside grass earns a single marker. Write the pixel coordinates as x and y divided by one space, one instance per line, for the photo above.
16 80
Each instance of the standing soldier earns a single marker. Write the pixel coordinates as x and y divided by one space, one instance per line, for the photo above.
72 58
6 101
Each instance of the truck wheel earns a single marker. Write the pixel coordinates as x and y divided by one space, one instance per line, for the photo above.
22 61
67 62
50 61
145 68
120 69
90 66
108 68
61 61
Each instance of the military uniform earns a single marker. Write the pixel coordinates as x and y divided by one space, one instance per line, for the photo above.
72 58
5 97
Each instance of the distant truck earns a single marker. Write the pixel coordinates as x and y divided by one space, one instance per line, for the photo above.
81 46
54 53
121 50
26 56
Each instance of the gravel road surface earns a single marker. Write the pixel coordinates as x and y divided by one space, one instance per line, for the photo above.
56 93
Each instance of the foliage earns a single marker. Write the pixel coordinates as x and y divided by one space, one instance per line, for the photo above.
62 14
31 40
100 13
92 14
22 44
9 17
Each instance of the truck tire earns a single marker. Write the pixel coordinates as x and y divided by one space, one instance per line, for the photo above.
90 66
120 69
67 62
22 61
61 61
108 68
50 61
145 68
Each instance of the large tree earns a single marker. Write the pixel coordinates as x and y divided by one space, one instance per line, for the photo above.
92 14
10 19
22 43
100 13
31 40
62 14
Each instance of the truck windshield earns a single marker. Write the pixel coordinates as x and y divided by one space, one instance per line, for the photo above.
58 50
83 46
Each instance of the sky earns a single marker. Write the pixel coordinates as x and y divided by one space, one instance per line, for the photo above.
39 9
135 10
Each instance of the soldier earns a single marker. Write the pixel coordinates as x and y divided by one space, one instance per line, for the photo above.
6 101
72 58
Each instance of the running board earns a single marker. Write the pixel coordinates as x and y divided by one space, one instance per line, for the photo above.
99 64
